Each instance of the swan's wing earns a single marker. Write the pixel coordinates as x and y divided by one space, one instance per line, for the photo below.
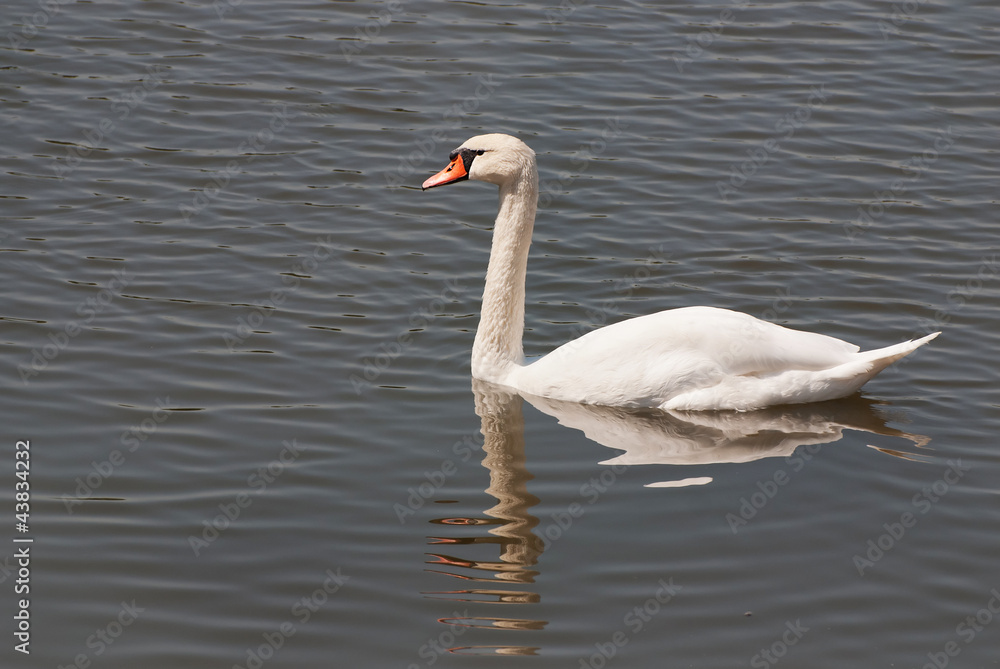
648 359
738 343
734 342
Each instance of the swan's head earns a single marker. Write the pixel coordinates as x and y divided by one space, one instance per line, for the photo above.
494 158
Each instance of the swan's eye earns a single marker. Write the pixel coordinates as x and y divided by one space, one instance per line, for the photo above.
468 155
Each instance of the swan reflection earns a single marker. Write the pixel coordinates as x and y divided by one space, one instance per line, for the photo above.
660 437
643 437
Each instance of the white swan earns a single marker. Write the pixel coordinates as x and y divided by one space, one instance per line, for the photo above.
692 358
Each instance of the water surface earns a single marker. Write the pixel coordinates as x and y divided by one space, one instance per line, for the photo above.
237 334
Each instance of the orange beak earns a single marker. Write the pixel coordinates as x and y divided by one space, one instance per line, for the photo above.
454 172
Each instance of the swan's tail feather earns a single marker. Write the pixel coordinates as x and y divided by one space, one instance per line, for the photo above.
850 376
883 357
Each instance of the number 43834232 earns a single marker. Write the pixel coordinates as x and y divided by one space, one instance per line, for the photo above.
22 467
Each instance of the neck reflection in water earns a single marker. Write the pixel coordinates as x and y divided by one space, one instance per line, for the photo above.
510 527
645 437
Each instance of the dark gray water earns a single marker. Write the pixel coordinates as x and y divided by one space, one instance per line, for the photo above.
237 334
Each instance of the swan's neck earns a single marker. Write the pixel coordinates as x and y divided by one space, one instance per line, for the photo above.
497 350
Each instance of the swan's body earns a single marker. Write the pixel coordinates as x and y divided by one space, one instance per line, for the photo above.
692 358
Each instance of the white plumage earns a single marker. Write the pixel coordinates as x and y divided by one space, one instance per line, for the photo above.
692 358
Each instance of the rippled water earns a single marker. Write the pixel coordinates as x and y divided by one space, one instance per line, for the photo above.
237 334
